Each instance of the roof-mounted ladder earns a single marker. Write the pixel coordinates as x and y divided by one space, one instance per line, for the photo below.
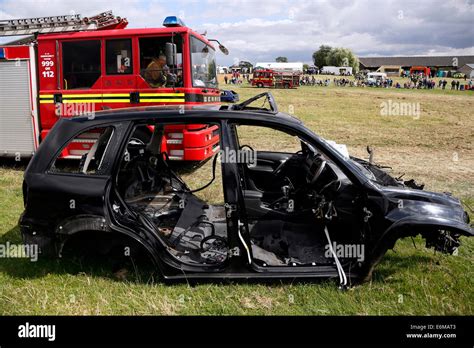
58 24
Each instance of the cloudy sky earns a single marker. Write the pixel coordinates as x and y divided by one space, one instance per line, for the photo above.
261 30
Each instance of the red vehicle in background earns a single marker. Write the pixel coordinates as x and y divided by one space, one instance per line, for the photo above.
417 70
75 66
275 79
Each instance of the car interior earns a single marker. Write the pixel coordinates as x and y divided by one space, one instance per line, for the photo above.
194 230
290 196
292 199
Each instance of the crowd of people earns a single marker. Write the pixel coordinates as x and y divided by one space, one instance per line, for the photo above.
312 81
413 82
236 78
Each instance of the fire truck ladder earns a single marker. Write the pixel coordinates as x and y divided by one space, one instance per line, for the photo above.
57 24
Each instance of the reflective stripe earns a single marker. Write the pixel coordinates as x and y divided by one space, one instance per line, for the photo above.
71 101
116 95
161 100
81 95
125 98
162 94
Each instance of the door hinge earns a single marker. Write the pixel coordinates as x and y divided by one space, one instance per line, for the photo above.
134 97
57 98
230 208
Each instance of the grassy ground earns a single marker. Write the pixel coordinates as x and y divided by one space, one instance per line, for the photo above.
435 148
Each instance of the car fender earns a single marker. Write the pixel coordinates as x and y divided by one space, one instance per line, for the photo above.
411 225
81 223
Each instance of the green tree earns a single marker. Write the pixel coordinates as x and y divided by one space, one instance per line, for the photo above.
305 67
281 60
320 57
343 57
245 64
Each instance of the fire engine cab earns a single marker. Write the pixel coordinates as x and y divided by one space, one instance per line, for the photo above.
275 78
75 66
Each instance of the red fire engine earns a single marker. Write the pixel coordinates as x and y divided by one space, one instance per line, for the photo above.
416 70
75 65
275 78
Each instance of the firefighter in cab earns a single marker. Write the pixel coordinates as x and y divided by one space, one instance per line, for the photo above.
157 72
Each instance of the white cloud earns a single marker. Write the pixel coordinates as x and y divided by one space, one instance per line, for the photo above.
265 29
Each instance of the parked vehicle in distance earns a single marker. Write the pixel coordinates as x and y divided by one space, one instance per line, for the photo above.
420 70
296 208
375 77
275 79
228 96
337 70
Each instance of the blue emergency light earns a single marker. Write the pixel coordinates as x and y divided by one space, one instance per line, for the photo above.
173 21
2 53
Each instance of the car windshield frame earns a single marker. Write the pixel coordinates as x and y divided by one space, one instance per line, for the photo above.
207 58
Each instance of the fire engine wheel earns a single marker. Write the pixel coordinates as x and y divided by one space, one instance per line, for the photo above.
259 85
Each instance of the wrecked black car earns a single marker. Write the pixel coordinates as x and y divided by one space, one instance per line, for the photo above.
284 203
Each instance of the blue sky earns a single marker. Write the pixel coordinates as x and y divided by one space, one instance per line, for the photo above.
265 29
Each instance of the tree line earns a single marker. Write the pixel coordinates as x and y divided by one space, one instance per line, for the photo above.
331 56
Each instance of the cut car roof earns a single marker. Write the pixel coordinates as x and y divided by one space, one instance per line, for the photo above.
184 112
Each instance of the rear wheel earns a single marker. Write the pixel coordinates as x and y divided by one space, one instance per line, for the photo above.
259 85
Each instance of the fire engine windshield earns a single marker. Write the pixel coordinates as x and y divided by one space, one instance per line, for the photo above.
203 64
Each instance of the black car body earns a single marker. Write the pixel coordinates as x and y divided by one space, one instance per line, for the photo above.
283 217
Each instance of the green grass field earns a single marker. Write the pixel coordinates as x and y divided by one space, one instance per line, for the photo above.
435 148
